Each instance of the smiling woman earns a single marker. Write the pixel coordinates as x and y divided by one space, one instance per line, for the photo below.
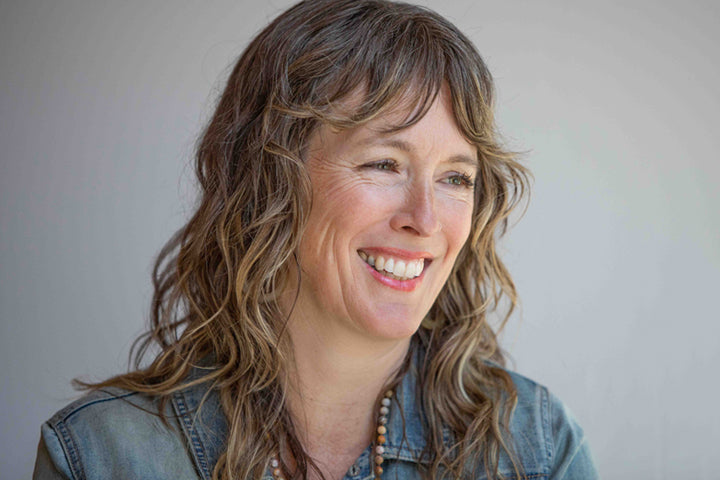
324 313
401 200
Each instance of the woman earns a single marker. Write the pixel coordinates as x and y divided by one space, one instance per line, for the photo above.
324 312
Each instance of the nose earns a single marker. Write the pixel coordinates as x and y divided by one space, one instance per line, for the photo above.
418 213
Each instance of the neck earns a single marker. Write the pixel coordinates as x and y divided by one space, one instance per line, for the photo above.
334 389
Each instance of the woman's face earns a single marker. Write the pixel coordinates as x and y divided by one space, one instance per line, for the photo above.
402 202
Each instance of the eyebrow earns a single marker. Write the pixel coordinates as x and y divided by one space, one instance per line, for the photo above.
407 147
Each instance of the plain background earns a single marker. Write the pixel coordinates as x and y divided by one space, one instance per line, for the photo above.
617 259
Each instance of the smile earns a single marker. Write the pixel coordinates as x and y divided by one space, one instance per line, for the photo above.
394 268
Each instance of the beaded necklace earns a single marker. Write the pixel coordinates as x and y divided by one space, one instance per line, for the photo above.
378 446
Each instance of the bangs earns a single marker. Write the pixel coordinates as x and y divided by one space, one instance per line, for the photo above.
384 57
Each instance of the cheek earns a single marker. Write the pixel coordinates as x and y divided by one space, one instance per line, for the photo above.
353 204
341 210
457 221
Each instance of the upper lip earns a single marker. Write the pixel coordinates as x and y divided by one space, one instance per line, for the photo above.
397 253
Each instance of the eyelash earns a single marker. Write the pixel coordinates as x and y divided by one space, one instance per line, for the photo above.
465 180
387 164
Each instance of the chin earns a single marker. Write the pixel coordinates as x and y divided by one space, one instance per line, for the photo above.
392 327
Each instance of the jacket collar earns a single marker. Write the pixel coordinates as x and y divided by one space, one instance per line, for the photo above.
407 438
206 428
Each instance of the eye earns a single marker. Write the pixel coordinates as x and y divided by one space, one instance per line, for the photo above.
460 180
385 164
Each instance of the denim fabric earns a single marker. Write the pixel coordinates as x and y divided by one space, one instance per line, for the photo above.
117 434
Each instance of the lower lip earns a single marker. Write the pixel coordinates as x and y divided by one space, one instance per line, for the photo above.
402 285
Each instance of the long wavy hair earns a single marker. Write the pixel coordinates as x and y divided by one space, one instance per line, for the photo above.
217 280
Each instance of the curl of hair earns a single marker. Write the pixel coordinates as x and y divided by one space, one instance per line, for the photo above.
216 281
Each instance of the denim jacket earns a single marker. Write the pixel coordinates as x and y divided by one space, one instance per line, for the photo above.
114 433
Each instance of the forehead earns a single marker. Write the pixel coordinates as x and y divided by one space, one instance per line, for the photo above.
435 130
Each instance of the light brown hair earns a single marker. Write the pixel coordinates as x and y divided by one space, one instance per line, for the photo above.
217 280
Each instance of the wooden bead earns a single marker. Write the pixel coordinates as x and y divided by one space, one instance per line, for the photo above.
379 449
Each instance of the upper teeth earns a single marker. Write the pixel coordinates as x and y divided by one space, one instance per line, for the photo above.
403 269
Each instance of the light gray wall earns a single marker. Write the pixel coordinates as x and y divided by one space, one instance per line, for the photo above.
617 259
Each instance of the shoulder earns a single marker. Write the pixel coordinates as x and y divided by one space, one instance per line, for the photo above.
547 437
105 405
114 430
